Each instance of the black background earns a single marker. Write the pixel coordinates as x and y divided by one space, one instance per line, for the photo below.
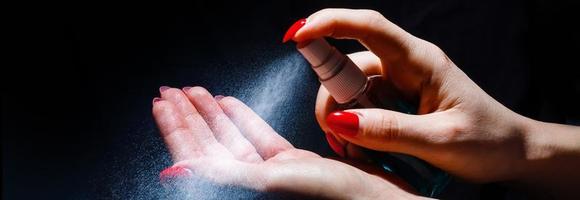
76 94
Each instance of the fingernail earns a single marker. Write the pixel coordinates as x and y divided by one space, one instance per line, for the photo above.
218 97
344 123
172 174
185 89
163 88
293 29
335 145
156 99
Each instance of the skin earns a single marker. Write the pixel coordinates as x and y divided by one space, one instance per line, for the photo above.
225 142
459 128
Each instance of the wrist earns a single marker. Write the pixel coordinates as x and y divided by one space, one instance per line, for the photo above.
535 148
537 143
551 154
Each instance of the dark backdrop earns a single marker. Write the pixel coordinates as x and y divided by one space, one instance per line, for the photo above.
76 95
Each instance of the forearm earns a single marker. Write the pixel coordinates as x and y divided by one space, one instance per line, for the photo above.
552 158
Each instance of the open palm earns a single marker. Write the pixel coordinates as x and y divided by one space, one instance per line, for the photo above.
225 142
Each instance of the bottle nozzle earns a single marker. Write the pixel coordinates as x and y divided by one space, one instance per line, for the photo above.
341 77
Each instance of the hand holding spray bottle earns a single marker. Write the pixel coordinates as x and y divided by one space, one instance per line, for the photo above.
351 88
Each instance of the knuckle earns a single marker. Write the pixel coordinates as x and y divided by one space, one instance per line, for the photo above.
390 126
375 19
326 11
385 127
324 14
455 131
429 57
440 59
373 15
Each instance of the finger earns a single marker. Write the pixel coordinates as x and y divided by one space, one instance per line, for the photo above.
178 98
202 136
174 131
223 128
379 35
386 130
267 142
337 147
368 62
346 149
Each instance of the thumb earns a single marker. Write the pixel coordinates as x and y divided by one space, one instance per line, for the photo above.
385 130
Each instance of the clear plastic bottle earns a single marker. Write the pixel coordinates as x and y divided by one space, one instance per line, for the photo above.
351 88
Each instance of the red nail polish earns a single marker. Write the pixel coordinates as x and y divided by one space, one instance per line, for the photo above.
163 88
293 29
172 174
350 87
218 97
344 123
335 145
185 89
156 99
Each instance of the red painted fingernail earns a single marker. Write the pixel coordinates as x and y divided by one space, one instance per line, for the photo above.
293 29
218 97
335 145
185 89
163 88
156 99
172 174
344 123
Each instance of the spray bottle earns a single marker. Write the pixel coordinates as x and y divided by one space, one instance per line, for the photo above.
351 88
